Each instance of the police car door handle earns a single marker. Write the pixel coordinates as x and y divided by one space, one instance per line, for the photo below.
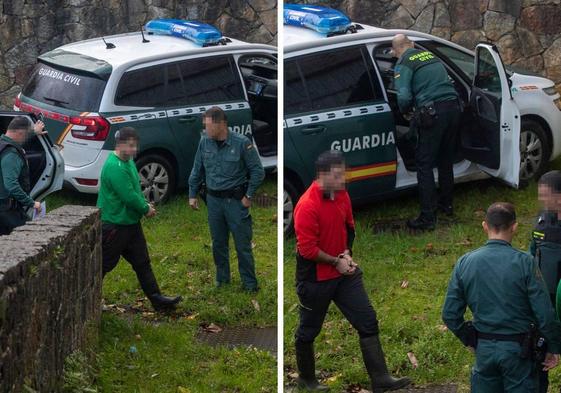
187 119
313 130
477 101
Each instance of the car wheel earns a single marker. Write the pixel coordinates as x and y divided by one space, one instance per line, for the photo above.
534 150
157 177
291 196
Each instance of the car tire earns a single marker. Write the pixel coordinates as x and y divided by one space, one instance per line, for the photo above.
534 150
291 194
157 177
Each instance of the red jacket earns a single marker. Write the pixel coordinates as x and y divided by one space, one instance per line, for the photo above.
321 224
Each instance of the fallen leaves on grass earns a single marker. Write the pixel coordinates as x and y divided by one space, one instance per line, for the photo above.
404 284
412 359
211 328
466 242
256 305
442 328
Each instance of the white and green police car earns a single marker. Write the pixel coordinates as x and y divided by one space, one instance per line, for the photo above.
339 95
160 83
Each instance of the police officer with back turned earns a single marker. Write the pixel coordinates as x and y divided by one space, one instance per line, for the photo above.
423 86
505 291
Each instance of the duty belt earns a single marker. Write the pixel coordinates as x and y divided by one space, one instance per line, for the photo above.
519 338
447 105
236 192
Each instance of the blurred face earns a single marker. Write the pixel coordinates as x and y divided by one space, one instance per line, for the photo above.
333 180
19 136
548 198
127 149
216 130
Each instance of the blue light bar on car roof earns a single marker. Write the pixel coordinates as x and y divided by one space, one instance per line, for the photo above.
199 33
321 19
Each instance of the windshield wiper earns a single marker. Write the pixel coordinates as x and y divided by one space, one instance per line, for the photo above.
56 102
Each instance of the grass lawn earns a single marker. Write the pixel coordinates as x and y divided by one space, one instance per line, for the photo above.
409 317
140 351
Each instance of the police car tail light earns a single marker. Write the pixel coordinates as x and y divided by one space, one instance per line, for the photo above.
17 102
197 32
321 19
95 128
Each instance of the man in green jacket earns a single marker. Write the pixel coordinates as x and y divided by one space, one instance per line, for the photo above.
424 88
14 174
506 294
122 207
229 164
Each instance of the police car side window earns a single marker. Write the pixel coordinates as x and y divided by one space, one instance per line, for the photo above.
210 79
339 77
296 98
144 87
487 77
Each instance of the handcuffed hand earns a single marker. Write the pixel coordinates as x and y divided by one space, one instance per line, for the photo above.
346 265
151 211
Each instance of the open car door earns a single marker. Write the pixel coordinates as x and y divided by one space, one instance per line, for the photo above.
46 165
492 139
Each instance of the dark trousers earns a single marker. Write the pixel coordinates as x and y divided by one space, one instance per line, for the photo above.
436 147
10 219
348 294
128 241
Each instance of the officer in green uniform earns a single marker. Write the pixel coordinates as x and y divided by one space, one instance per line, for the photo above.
546 242
505 292
424 87
230 166
14 175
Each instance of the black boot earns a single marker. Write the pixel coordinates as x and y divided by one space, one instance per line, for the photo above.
422 223
307 368
152 291
164 303
376 366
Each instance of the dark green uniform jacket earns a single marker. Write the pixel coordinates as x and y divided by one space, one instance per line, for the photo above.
420 78
505 292
14 174
234 163
546 248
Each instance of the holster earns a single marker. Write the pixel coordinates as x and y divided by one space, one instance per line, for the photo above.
468 335
425 116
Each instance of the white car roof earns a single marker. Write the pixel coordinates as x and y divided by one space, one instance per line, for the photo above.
301 38
129 48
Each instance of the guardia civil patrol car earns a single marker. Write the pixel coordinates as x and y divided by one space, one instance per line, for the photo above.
159 82
339 95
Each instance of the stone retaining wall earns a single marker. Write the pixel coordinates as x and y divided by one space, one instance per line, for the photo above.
50 296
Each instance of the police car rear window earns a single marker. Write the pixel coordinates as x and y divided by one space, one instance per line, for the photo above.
63 88
330 79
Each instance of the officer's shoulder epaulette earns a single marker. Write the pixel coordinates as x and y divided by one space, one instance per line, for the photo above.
239 137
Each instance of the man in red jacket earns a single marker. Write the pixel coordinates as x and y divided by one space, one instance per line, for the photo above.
326 271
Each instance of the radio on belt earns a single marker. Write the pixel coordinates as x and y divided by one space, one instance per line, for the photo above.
321 19
199 33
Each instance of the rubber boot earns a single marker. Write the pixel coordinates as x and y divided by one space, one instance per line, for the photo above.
376 366
152 291
307 368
